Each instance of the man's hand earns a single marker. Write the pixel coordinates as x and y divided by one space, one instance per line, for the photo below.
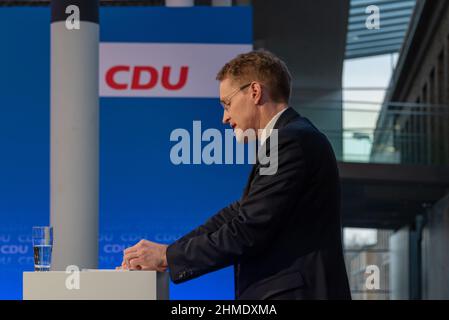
146 255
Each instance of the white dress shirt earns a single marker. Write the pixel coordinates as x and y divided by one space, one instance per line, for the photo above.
266 132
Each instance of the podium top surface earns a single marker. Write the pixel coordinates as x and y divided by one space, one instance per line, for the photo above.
95 284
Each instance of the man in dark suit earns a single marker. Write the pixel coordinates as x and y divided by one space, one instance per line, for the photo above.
284 235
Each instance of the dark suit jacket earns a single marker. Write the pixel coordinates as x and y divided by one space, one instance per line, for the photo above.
284 235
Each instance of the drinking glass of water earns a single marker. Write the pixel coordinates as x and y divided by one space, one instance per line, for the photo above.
42 245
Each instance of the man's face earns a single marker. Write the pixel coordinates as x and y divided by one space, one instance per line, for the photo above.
240 110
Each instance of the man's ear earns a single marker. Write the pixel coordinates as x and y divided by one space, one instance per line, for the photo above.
256 92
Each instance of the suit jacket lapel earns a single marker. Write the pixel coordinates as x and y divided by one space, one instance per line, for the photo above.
250 179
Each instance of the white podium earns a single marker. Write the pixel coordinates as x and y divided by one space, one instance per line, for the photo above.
96 285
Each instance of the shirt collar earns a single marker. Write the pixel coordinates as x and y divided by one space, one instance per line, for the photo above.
266 132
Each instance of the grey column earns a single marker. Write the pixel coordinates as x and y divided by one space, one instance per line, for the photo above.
74 133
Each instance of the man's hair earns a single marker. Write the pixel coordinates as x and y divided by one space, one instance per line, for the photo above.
262 66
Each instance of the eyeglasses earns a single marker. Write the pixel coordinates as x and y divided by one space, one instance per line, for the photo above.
226 102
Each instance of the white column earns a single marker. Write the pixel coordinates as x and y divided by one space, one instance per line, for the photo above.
74 134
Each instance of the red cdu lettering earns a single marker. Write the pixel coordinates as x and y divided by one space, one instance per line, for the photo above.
110 80
145 78
138 70
182 78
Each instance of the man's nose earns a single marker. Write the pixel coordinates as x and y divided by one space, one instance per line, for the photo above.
226 117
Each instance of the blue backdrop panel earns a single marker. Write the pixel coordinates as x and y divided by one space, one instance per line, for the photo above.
142 194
